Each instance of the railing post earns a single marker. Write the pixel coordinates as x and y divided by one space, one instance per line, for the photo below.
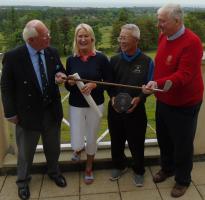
199 145
4 140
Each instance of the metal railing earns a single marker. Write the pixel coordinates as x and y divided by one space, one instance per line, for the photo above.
105 144
101 144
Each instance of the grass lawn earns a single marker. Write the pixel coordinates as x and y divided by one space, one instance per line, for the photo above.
106 37
150 107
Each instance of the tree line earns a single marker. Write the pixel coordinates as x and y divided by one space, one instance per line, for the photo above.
62 23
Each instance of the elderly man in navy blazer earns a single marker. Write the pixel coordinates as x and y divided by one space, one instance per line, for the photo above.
31 101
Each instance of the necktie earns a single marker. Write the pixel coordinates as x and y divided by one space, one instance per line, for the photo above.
44 81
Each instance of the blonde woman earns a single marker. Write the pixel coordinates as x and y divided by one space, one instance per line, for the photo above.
89 64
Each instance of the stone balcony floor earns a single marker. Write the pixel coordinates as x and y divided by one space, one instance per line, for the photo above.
103 189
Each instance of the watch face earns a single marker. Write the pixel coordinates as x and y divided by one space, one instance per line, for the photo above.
122 102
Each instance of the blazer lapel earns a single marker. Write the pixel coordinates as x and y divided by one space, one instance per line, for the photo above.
49 58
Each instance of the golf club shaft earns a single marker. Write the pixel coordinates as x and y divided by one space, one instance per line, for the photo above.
113 84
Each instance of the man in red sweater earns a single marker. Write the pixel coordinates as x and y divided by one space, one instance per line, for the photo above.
178 59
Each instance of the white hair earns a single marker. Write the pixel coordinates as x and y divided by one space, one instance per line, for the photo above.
29 30
134 28
174 10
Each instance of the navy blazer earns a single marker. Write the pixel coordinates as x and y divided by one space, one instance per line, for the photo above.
20 90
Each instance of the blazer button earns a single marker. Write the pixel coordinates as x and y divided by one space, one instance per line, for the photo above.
29 95
25 82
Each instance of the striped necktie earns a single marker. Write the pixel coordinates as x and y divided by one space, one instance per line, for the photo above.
44 81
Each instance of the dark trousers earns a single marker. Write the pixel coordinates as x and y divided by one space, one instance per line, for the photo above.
176 127
27 141
131 128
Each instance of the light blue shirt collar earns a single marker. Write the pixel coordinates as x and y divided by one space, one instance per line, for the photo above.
33 51
177 34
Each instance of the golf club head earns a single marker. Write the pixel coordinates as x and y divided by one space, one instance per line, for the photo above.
167 85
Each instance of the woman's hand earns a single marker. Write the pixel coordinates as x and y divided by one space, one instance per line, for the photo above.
88 88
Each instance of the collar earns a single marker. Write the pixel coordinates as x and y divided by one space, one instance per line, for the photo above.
33 51
177 34
85 58
130 58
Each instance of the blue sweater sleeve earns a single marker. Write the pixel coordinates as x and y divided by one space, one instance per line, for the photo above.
151 71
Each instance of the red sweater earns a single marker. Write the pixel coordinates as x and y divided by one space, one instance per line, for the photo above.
179 60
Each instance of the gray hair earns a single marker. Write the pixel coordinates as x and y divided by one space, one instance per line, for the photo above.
89 29
29 30
174 10
134 28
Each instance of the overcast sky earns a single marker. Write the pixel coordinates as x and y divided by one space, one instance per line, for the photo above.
101 3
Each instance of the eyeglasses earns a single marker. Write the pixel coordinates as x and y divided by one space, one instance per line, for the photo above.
123 38
46 36
165 22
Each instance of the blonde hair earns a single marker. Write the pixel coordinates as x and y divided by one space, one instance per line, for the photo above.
87 28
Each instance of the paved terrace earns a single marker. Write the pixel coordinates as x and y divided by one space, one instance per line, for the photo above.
42 188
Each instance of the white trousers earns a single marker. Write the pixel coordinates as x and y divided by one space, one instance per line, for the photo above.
84 125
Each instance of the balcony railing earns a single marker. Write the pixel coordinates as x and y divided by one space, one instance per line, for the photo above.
100 142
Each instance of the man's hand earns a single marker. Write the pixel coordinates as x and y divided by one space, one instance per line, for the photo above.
71 80
13 120
60 78
148 89
135 101
113 102
88 88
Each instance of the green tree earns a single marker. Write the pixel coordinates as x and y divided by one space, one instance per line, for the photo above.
98 35
12 33
197 25
55 36
64 26
122 19
148 33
